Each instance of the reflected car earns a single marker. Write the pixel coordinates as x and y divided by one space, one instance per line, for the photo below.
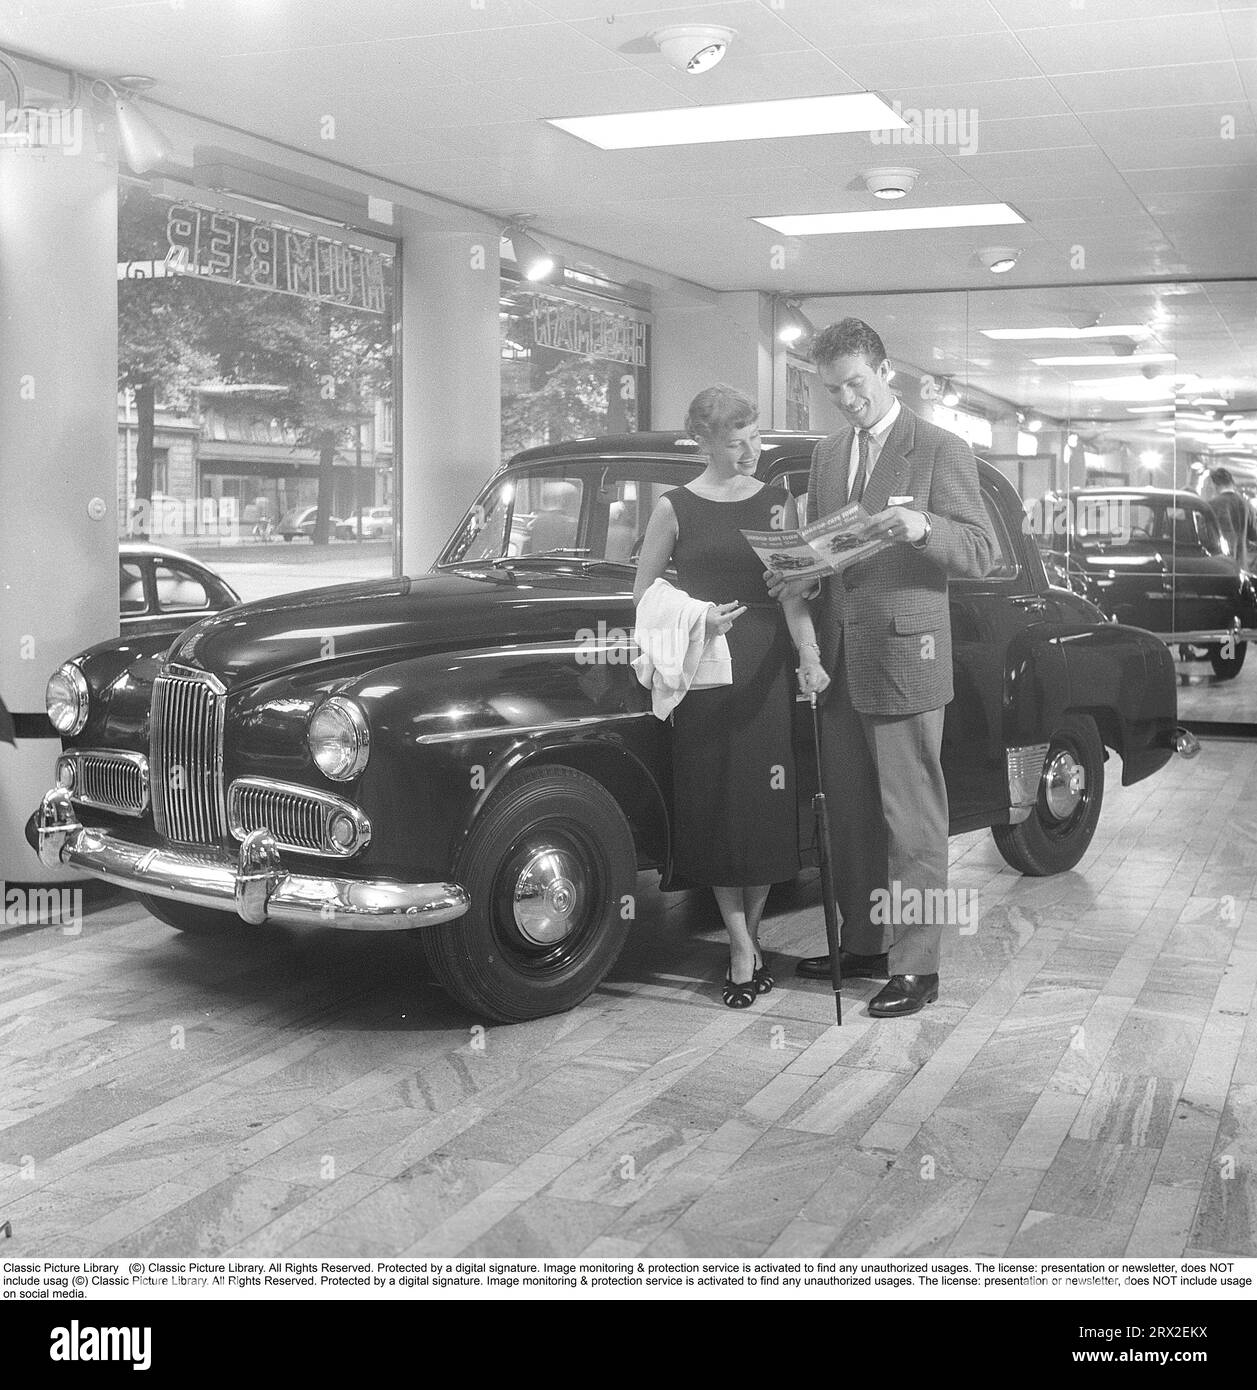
300 523
377 523
1155 558
164 591
469 751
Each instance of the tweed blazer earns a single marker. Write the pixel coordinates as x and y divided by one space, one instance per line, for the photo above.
887 617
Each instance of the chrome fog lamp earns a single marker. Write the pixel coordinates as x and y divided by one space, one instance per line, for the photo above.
342 830
66 777
339 738
66 700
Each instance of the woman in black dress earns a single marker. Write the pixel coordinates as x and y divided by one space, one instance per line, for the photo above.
735 822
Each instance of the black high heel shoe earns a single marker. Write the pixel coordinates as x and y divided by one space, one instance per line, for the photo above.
762 979
738 994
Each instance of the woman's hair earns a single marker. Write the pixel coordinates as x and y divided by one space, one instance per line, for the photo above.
718 410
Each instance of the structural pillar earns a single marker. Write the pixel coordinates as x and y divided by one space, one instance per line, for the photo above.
58 446
451 379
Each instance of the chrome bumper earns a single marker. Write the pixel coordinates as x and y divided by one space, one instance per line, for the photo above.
254 885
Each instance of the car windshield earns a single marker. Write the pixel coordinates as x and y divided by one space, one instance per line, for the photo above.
1141 524
582 509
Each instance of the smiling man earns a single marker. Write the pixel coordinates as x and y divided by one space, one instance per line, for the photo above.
885 639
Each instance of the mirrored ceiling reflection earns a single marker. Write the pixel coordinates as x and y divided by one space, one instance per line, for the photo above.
1100 403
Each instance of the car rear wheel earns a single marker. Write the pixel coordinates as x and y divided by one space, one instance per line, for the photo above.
1058 831
187 917
1226 668
548 866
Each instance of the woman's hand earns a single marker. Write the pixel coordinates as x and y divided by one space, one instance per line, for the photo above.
720 618
813 678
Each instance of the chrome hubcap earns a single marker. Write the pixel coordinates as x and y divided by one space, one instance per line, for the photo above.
549 896
1064 785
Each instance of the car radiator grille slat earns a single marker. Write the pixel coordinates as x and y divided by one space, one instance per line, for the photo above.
113 783
295 821
186 760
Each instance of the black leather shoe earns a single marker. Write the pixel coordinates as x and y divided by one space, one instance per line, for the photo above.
905 994
854 967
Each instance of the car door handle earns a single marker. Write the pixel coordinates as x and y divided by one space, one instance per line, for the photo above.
1033 603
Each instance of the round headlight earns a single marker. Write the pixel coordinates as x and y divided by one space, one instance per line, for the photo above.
66 700
339 739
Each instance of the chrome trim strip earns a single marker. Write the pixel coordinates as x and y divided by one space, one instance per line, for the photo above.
285 832
120 758
265 890
1025 771
527 730
194 673
1219 634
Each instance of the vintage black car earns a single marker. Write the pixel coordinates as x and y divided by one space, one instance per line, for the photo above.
163 591
1155 558
470 752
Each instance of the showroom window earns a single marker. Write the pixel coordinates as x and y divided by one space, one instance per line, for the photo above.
257 389
1134 402
574 363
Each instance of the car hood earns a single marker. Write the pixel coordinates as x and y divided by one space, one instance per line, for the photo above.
449 611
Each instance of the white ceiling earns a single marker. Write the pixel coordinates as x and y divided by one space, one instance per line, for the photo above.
1124 130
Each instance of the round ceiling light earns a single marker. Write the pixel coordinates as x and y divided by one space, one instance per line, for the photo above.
890 183
693 48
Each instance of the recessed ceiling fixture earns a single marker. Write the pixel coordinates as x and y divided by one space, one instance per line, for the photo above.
748 120
693 47
533 260
893 219
999 260
794 326
890 183
143 146
1125 330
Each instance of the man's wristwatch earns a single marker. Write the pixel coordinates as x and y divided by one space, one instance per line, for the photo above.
929 531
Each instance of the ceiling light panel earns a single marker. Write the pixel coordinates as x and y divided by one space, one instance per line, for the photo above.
750 120
893 219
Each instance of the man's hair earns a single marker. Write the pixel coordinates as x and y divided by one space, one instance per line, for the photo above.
1221 477
848 338
718 410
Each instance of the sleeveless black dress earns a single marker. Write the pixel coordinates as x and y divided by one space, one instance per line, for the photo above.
735 799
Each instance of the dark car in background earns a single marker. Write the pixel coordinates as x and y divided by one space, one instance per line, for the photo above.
469 751
299 524
1155 558
162 591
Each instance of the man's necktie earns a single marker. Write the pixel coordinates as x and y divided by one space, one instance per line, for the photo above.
862 471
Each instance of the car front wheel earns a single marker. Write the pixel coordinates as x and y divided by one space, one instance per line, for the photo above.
550 868
1225 667
1058 831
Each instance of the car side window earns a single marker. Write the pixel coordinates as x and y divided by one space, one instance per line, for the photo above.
130 587
794 481
178 590
1004 564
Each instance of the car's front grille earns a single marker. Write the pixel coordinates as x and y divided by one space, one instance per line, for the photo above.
298 818
119 784
186 756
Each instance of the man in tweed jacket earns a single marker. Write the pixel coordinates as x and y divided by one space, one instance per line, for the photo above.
884 632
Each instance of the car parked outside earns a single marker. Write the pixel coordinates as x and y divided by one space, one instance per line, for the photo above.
470 752
373 523
299 522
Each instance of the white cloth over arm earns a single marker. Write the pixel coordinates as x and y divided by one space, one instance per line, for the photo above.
675 657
